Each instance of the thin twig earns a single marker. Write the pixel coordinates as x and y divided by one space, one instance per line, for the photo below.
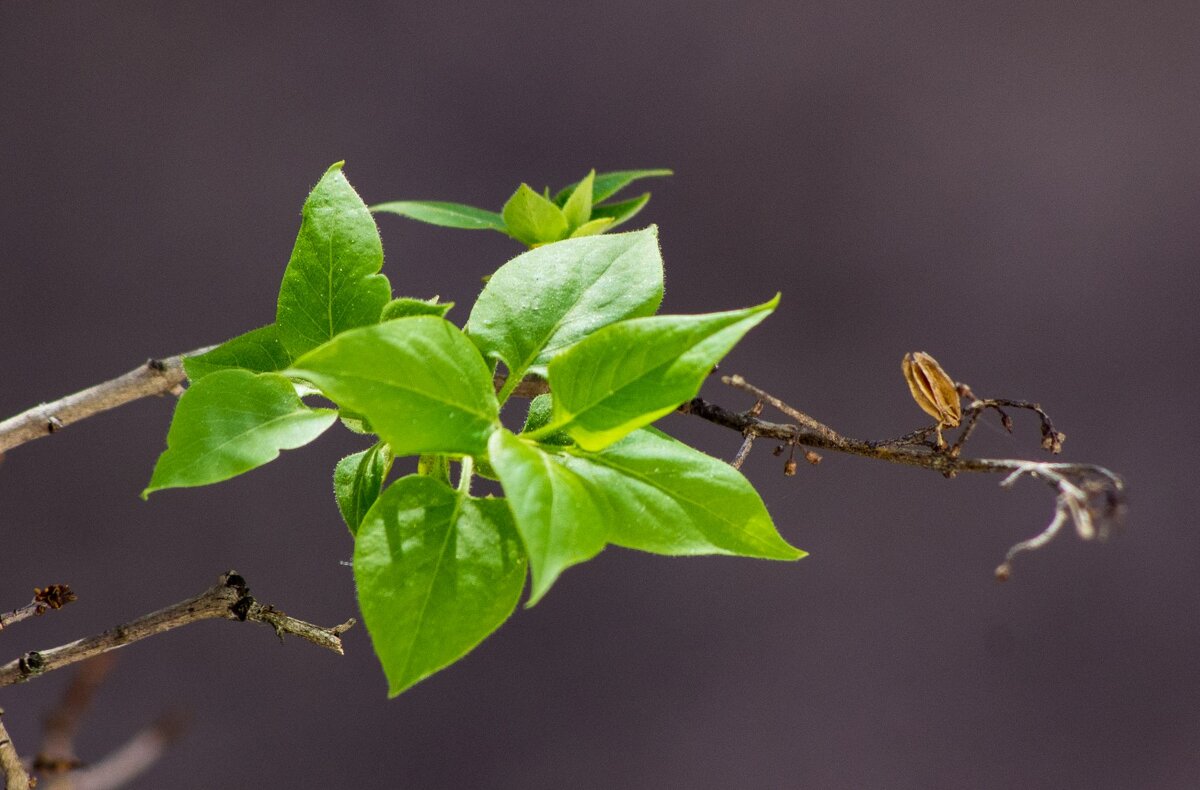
153 377
54 596
15 775
230 599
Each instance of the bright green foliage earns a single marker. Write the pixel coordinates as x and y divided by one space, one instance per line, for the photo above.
561 518
419 382
437 571
532 219
332 282
617 213
542 302
406 307
668 498
230 422
578 208
357 481
535 219
629 374
258 350
447 215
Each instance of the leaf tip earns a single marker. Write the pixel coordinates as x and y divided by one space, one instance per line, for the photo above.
336 166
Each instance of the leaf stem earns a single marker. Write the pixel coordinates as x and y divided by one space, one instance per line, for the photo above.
465 473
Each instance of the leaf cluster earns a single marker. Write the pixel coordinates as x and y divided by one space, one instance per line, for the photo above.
534 218
438 568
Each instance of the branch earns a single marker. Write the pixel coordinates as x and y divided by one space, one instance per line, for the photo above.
229 599
1090 496
55 596
154 377
15 775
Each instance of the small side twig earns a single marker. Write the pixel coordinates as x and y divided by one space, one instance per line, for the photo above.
229 599
54 596
57 754
130 760
15 775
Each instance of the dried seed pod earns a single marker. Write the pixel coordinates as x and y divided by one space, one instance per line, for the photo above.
932 389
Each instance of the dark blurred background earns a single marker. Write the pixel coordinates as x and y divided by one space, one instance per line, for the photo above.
1009 186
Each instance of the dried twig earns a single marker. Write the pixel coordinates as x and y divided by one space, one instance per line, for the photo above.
128 761
1091 496
229 599
54 596
15 775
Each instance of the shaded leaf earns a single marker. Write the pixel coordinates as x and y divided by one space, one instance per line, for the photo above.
258 350
230 422
627 375
419 381
357 481
543 301
447 215
331 283
436 572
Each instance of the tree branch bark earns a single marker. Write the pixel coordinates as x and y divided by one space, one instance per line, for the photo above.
154 377
229 599
15 775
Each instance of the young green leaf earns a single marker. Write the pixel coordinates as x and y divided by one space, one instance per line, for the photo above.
593 228
668 498
605 185
405 307
543 301
419 381
629 374
332 282
447 215
230 422
437 572
618 213
258 350
578 208
357 481
541 409
532 219
561 517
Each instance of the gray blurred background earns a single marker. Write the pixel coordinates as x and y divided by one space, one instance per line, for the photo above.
1009 186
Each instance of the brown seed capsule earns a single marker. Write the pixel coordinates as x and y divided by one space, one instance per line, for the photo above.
932 389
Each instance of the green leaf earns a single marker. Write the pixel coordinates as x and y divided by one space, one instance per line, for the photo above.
419 381
620 212
230 422
541 409
543 301
405 307
447 215
606 185
437 572
532 219
578 208
560 516
331 283
357 481
259 350
629 374
593 228
668 498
